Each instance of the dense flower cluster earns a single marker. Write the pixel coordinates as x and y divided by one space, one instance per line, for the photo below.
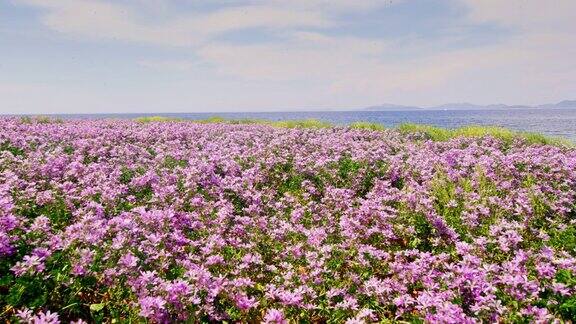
179 220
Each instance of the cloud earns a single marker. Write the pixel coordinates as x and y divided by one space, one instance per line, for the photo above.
334 6
526 15
104 20
169 65
307 63
302 55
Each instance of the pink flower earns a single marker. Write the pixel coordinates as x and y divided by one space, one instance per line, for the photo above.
128 260
274 316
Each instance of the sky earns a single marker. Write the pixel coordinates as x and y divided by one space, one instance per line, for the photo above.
146 56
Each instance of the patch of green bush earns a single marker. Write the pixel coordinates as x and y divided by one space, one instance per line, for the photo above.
150 119
40 120
306 123
367 126
295 123
506 135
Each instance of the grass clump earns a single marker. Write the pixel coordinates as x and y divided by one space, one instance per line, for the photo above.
367 126
48 120
247 121
40 120
305 123
26 120
150 119
213 119
506 135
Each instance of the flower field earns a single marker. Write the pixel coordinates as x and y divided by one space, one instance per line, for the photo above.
108 220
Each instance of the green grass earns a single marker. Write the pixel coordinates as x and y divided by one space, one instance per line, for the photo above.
40 119
215 119
367 126
304 123
149 119
506 135
429 132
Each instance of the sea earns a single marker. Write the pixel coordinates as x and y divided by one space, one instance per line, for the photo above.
552 122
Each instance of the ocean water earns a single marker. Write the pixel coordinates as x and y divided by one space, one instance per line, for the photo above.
553 122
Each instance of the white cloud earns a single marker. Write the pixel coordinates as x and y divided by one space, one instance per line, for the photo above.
168 65
104 20
301 56
334 6
527 15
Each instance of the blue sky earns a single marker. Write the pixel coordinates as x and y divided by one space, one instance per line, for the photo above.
88 56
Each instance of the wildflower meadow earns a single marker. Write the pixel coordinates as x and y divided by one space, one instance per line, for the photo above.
176 221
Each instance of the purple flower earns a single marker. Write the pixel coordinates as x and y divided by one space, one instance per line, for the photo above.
286 224
151 307
274 316
128 260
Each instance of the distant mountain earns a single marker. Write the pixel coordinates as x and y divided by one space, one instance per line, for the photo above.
519 107
566 104
560 105
466 106
391 107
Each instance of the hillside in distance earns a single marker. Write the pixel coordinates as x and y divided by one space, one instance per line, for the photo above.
392 107
565 104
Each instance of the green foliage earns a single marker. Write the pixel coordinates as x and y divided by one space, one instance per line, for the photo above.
367 126
56 211
237 201
40 120
564 239
143 194
16 151
305 123
567 304
379 170
54 289
507 136
568 307
150 119
126 175
246 121
213 119
48 120
171 163
347 168
29 291
26 120
444 192
286 178
68 149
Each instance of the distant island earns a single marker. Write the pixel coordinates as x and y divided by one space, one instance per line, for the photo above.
566 104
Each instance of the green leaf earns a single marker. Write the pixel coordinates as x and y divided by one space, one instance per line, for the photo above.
97 307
